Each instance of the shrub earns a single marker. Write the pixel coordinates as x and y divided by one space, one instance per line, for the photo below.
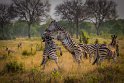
26 53
84 37
14 66
55 74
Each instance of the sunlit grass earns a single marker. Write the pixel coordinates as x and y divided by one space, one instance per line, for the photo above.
69 72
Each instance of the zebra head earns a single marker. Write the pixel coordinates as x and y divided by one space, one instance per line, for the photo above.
54 27
46 36
114 41
61 35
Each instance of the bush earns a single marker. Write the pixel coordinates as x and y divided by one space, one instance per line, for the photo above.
84 37
14 66
26 53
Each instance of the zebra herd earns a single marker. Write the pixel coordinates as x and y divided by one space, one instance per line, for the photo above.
98 52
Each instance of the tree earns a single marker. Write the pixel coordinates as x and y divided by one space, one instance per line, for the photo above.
73 11
101 10
31 11
5 17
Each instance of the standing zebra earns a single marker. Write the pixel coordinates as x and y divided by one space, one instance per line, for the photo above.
50 49
114 44
104 53
89 49
70 45
66 41
109 52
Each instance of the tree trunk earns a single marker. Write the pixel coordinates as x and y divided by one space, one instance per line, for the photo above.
29 30
2 31
97 29
72 29
77 27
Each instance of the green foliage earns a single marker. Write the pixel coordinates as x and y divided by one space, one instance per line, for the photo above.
55 74
96 41
14 66
8 32
19 29
84 37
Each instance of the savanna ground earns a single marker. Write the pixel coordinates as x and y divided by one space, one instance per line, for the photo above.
23 66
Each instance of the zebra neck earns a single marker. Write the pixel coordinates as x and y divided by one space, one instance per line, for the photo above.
68 44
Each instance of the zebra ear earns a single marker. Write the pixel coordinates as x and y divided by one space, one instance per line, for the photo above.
53 21
112 36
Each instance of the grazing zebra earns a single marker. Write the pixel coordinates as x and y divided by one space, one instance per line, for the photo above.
89 49
108 52
104 53
50 49
66 41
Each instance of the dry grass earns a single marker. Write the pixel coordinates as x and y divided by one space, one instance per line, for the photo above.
70 72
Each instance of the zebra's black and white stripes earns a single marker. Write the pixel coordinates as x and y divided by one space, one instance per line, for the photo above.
99 50
70 45
49 50
66 40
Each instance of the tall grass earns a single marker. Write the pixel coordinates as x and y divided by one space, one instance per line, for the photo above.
70 72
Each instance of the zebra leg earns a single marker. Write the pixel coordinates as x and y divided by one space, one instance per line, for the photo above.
96 60
114 56
45 58
60 50
100 61
85 55
90 57
56 61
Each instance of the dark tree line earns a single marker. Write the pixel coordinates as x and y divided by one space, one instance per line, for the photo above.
96 11
5 17
31 11
72 11
101 10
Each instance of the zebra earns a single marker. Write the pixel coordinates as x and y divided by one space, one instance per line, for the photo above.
104 53
55 27
68 43
109 52
66 40
114 44
49 50
89 49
